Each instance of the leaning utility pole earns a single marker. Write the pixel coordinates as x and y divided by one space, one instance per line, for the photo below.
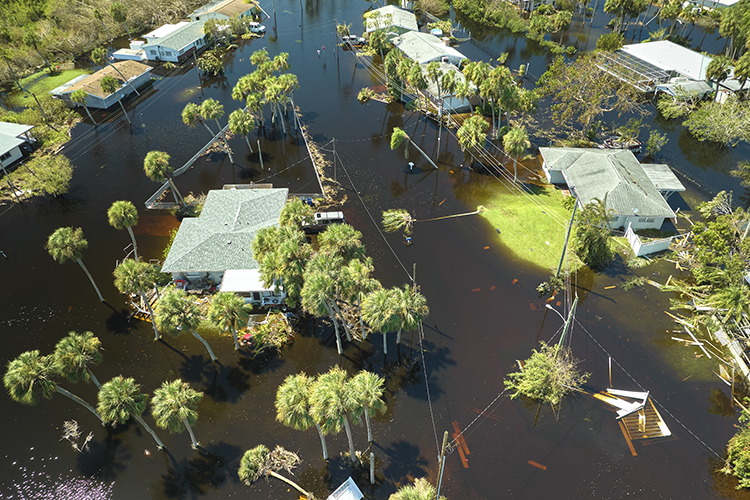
441 463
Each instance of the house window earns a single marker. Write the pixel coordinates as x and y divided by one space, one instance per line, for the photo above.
152 52
169 53
5 156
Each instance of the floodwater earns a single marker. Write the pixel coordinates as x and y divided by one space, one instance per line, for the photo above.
485 312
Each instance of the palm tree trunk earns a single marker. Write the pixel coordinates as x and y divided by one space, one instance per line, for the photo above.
289 482
89 113
123 78
123 110
343 320
385 343
151 313
234 335
348 428
135 245
83 266
105 28
362 323
126 29
195 444
398 336
248 144
369 427
322 441
42 56
79 401
205 344
140 420
93 378
336 328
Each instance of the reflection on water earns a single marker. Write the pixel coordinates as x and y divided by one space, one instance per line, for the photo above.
35 484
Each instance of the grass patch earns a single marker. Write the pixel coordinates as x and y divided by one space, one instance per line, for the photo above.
530 226
42 82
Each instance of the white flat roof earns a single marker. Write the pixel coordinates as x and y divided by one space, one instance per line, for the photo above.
165 30
243 280
669 56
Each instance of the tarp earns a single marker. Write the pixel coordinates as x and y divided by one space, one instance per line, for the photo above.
243 280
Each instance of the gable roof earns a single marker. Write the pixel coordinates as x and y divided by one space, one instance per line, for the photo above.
220 238
423 47
398 17
10 135
179 38
90 83
611 174
670 56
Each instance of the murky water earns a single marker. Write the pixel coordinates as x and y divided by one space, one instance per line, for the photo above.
482 319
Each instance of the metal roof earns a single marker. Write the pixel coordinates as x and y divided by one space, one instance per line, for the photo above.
14 129
662 177
179 38
690 87
611 174
347 491
165 30
398 17
423 47
220 238
671 57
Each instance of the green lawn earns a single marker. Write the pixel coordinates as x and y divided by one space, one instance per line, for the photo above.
533 226
42 82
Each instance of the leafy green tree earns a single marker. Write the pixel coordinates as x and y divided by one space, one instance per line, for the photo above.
399 137
726 123
547 376
28 379
738 453
332 403
52 174
678 106
135 277
228 311
121 399
742 69
259 462
109 86
655 142
79 97
211 110
175 408
295 213
398 219
123 215
609 42
176 314
31 39
421 489
593 234
293 407
367 390
157 168
75 355
120 14
242 123
68 243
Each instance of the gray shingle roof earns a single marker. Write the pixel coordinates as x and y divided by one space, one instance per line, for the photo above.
220 238
424 47
181 37
612 173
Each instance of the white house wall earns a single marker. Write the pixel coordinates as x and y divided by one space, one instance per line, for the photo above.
15 154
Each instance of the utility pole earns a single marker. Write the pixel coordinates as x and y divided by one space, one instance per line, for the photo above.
568 321
441 463
567 237
334 159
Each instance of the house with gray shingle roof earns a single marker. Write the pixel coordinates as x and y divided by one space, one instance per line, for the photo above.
215 247
634 193
14 139
178 45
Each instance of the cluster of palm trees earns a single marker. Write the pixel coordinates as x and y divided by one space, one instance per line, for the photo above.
334 281
330 402
32 377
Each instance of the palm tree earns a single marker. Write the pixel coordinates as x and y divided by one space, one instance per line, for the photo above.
367 390
242 123
120 14
212 110
75 355
176 313
192 115
378 311
411 308
399 219
132 277
79 97
283 254
174 407
28 378
358 283
332 403
31 39
516 142
293 407
109 86
259 462
399 137
718 69
98 15
742 69
420 490
418 81
121 399
734 300
123 215
228 310
100 57
323 275
295 213
317 293
472 134
68 243
157 168
342 240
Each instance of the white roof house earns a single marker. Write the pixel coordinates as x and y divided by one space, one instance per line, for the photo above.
671 57
391 18
13 137
177 45
425 48
165 30
634 193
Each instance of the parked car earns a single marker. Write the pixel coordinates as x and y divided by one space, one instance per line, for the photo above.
354 40
257 28
322 220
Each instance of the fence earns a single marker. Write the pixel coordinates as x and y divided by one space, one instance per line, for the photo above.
640 248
